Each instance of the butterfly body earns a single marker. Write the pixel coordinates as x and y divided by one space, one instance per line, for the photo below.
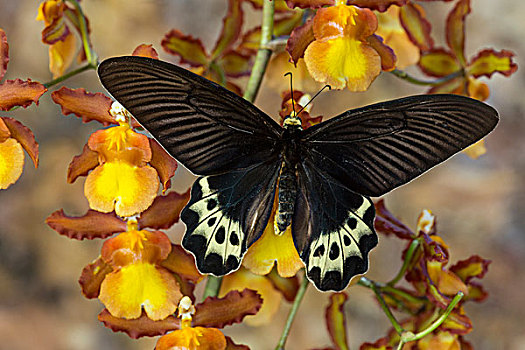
287 185
324 175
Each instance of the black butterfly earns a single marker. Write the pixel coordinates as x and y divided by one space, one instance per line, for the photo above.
326 173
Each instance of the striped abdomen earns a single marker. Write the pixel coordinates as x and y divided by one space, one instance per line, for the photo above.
287 193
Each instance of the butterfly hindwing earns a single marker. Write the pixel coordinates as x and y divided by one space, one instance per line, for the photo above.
204 126
332 228
377 148
226 214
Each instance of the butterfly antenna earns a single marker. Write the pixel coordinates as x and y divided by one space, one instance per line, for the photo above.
291 91
324 87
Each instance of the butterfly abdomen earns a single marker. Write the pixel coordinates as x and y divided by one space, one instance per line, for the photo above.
287 194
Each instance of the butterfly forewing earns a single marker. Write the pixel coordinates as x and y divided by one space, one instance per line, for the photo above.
377 148
206 127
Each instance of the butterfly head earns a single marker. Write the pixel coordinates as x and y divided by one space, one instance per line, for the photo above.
292 121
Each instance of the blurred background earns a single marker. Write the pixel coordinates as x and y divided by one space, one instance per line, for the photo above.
478 203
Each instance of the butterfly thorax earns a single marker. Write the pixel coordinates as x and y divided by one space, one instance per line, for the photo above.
287 188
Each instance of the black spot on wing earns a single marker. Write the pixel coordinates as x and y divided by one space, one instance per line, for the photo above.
220 235
213 264
334 251
234 238
319 251
369 215
212 203
352 222
366 244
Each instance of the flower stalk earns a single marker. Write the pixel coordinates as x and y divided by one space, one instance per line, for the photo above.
409 336
91 57
291 316
416 81
263 54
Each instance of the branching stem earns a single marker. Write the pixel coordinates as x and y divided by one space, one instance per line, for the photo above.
68 75
409 336
405 76
406 262
376 289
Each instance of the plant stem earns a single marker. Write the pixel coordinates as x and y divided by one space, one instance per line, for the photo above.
263 54
406 262
293 311
403 294
376 289
213 285
90 56
68 75
437 322
405 76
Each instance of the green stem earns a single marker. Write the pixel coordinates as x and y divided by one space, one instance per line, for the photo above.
293 311
376 289
406 262
90 56
437 322
69 75
213 285
403 294
263 54
409 336
405 76
220 73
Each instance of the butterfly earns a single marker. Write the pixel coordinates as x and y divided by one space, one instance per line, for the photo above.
323 176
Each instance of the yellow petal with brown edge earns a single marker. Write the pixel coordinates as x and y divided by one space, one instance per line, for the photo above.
242 279
193 338
270 249
125 292
122 187
343 62
61 55
11 162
